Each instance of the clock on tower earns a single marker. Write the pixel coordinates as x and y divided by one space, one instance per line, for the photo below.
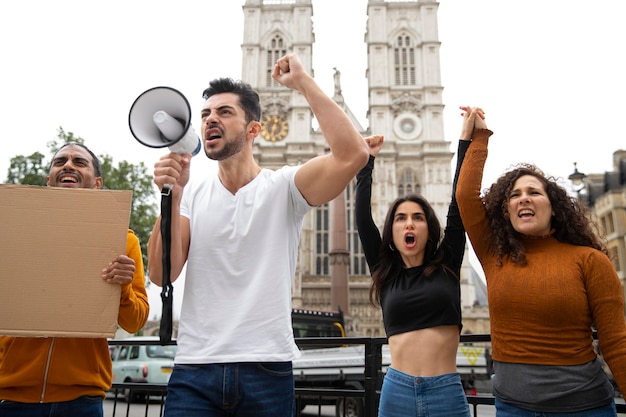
274 129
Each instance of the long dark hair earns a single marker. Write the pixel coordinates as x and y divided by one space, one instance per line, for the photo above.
389 259
572 221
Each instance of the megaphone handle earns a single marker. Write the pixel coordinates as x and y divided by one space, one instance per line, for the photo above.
166 190
165 331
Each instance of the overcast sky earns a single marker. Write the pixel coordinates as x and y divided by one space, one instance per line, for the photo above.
551 75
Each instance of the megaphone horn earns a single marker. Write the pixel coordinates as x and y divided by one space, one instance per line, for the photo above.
160 117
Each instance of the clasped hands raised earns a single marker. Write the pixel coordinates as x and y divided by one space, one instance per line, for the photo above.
473 118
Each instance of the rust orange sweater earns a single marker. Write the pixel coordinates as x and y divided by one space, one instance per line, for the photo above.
543 313
58 369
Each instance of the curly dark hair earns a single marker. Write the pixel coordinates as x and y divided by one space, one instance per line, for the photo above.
572 221
389 259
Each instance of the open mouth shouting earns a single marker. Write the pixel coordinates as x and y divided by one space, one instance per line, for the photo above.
409 240
525 213
213 133
68 179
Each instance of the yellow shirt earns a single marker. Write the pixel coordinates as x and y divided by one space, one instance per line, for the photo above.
59 369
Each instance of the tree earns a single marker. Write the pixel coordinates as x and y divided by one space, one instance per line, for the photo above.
127 176
33 170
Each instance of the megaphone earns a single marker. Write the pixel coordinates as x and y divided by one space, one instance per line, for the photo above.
160 117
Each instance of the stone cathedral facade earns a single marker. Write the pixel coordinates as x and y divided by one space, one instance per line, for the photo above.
405 105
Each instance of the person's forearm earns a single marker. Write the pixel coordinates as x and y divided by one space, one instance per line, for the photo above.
367 229
134 306
469 196
468 185
460 156
344 140
155 250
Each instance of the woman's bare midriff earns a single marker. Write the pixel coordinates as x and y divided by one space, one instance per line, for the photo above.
425 352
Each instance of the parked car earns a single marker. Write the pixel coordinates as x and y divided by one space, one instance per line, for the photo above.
151 364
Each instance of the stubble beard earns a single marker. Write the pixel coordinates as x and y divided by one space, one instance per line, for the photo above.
230 148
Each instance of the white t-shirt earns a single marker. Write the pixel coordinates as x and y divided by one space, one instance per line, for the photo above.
242 259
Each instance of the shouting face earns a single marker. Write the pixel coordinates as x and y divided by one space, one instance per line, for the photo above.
529 207
72 167
224 126
410 233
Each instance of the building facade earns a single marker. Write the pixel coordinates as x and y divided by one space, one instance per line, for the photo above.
404 104
605 194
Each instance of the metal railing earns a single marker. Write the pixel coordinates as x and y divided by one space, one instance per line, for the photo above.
366 398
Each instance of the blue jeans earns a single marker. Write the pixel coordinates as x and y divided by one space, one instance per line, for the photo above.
83 406
417 396
507 410
231 389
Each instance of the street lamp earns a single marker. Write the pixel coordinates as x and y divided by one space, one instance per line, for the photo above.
578 180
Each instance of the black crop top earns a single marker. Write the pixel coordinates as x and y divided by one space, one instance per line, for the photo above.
409 300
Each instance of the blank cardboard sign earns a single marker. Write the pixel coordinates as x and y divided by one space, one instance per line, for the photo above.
54 243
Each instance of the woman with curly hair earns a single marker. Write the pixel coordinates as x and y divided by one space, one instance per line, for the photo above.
415 281
549 281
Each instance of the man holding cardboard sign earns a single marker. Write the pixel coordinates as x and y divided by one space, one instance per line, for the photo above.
69 376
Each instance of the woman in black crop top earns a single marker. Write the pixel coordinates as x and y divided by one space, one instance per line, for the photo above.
415 280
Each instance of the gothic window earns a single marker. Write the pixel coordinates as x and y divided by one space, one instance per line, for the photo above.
610 224
275 50
408 183
321 240
404 61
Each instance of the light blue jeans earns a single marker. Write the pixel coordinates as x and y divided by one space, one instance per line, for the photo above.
231 390
404 395
83 406
507 410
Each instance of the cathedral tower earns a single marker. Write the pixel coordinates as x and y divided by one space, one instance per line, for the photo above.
405 101
405 105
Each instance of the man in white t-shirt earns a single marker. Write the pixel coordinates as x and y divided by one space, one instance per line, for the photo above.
238 232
